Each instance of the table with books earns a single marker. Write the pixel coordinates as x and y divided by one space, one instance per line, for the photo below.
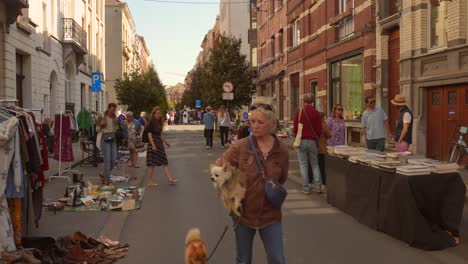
414 199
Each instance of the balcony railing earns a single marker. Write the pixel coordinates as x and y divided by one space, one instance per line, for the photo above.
394 7
73 33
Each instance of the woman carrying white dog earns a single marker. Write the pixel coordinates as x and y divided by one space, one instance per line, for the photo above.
258 211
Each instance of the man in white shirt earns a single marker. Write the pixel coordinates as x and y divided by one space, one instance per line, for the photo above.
404 126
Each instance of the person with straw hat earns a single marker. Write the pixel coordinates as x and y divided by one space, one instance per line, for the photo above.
404 126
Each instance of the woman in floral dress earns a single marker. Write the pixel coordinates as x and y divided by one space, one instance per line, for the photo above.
337 127
133 131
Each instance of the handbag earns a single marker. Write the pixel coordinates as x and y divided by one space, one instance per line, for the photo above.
108 137
274 190
300 126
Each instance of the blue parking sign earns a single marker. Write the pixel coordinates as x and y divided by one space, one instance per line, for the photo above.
198 103
96 81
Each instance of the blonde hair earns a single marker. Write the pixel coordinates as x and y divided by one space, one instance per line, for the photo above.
270 115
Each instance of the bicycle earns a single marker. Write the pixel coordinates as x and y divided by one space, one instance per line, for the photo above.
460 147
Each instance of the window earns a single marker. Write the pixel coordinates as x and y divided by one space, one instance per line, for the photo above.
438 22
296 36
341 6
273 51
280 41
347 86
313 89
281 98
435 98
294 84
345 28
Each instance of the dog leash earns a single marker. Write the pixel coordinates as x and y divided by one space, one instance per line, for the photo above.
222 236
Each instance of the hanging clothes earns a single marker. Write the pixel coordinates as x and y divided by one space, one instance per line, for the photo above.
8 136
65 137
84 120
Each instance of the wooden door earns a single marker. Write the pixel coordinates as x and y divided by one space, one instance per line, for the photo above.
435 129
393 75
452 117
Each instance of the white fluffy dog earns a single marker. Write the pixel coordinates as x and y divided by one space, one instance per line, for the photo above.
230 184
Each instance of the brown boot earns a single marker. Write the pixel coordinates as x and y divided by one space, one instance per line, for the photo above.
28 257
10 257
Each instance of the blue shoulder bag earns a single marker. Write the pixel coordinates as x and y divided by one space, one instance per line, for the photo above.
275 192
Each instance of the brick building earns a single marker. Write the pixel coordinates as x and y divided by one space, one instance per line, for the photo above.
326 48
423 54
269 51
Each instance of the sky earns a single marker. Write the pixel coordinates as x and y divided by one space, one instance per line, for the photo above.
173 34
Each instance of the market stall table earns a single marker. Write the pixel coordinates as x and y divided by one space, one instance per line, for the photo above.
415 209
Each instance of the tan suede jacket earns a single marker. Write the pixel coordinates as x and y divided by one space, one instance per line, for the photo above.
257 210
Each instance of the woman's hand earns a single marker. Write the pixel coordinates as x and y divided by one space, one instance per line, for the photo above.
154 147
103 123
167 144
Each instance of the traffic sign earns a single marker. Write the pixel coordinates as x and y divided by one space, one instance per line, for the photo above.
246 115
228 96
228 87
198 103
96 81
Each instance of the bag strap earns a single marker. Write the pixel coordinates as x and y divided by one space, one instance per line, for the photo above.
310 124
257 158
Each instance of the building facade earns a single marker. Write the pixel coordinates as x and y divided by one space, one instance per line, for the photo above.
423 54
145 60
269 51
235 22
122 53
49 55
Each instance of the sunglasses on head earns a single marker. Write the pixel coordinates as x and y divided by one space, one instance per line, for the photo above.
372 102
263 106
339 109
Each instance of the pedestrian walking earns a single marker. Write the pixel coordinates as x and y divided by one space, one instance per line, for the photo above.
185 117
308 149
209 120
258 213
107 127
172 117
404 126
336 126
324 136
224 123
132 132
374 125
156 154
49 134
143 120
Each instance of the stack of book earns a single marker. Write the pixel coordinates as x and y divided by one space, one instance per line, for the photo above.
423 161
347 151
366 159
386 165
413 170
445 168
398 154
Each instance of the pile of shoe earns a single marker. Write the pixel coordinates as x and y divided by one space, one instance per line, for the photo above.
83 249
72 249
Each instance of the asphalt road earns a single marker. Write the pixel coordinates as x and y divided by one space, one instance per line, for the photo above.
314 232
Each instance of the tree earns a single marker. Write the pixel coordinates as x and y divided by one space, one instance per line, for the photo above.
141 91
227 64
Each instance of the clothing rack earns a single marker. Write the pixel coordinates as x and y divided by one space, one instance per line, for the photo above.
41 111
60 172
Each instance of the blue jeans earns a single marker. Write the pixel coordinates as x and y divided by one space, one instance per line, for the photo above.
109 155
272 237
308 152
376 144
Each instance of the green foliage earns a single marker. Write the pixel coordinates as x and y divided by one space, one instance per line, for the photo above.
225 64
141 91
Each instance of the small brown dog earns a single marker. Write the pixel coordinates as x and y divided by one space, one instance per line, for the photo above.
230 184
195 248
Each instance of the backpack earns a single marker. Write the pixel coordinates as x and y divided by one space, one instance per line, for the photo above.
145 137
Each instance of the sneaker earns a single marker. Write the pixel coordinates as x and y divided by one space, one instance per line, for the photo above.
304 191
317 191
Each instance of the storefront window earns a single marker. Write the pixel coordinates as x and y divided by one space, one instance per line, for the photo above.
347 86
438 22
